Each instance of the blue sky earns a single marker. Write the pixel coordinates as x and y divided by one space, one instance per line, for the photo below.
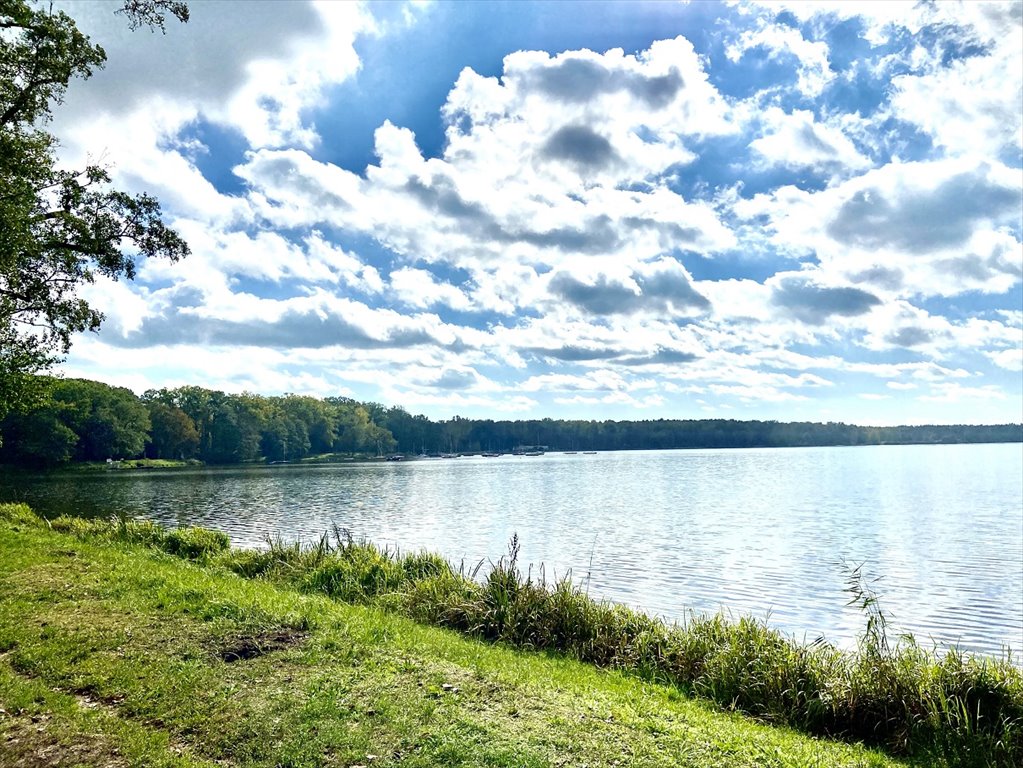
793 210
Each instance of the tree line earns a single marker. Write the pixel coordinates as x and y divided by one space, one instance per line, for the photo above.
81 420
73 420
475 435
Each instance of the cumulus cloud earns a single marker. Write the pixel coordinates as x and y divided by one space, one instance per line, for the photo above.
659 357
796 140
971 105
256 71
815 304
591 381
974 105
1009 359
186 316
955 393
901 226
922 219
580 146
662 287
813 69
418 288
578 79
614 398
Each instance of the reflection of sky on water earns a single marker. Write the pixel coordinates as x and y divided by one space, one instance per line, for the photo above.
760 531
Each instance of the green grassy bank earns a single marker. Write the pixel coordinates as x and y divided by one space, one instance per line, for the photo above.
124 644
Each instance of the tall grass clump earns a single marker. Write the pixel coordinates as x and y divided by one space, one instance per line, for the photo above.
965 709
951 707
19 514
336 565
192 543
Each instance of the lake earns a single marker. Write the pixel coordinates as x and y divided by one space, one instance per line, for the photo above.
767 532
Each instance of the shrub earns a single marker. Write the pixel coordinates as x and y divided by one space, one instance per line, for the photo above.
20 514
422 565
79 527
194 543
249 563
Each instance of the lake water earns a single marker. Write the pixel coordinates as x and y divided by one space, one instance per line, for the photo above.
768 532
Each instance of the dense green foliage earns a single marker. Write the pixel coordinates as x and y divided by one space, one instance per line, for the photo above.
414 433
78 420
114 654
59 228
949 710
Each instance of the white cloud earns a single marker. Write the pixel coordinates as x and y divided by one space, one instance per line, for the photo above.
814 71
953 392
418 288
591 381
453 402
796 140
1009 359
881 19
123 308
903 229
537 172
614 398
920 371
256 69
268 107
973 105
754 394
345 268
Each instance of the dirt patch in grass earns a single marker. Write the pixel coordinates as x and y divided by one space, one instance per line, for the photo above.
26 742
250 646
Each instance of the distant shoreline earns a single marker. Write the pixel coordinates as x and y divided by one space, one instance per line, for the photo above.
77 420
163 465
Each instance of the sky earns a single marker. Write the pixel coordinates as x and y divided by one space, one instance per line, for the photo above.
786 210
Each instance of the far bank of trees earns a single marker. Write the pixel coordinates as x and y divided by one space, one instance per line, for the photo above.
664 434
80 420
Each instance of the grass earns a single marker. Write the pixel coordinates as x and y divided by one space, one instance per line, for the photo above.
140 657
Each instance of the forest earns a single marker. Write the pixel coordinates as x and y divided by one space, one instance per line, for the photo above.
76 420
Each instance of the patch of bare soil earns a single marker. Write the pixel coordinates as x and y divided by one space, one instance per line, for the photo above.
242 647
27 742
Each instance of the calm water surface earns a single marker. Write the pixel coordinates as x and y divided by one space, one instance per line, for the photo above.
761 531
